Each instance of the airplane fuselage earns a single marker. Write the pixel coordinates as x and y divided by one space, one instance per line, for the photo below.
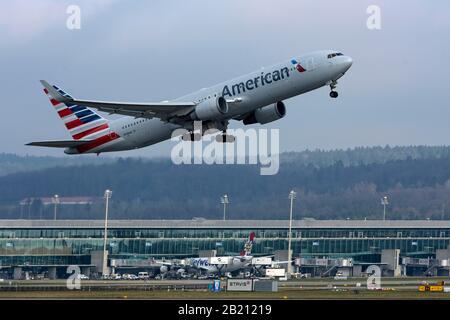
235 263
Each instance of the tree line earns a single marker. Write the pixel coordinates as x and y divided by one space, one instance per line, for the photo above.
346 186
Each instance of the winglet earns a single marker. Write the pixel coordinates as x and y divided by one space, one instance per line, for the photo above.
54 92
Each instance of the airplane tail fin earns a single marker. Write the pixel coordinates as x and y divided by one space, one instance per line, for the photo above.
248 245
80 121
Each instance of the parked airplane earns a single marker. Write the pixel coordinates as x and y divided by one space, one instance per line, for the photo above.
256 97
227 264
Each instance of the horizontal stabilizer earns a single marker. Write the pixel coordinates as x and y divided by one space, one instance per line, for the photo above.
59 143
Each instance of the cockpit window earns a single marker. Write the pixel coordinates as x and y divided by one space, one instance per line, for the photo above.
332 55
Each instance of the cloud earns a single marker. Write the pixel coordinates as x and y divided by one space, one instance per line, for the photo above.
23 20
162 49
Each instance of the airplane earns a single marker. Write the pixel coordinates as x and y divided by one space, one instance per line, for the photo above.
231 264
253 98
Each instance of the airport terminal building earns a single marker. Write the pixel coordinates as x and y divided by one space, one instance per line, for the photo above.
56 244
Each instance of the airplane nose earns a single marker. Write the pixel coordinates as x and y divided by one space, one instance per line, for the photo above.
347 62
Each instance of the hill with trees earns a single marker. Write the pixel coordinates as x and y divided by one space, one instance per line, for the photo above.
335 184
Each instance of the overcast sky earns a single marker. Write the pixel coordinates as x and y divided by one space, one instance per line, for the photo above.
396 92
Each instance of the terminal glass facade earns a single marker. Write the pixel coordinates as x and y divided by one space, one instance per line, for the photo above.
66 246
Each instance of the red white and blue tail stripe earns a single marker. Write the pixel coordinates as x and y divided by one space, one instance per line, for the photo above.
81 122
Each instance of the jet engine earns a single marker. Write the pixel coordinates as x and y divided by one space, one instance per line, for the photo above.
163 269
267 114
210 109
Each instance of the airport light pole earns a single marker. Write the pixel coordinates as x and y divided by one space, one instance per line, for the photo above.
384 202
292 196
21 210
30 202
225 201
107 196
55 202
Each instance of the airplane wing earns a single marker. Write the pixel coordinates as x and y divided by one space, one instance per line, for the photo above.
161 110
59 143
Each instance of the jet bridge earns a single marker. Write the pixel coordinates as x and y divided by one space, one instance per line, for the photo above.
325 267
259 264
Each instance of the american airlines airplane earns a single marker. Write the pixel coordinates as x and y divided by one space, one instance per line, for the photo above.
256 97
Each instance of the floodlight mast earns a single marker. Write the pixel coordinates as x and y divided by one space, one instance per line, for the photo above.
225 201
384 202
55 202
107 196
292 196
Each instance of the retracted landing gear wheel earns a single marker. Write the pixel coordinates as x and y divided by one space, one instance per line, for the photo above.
191 136
224 138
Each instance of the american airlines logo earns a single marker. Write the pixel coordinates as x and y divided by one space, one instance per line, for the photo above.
260 81
298 66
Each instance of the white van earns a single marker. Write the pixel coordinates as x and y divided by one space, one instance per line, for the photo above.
340 276
143 275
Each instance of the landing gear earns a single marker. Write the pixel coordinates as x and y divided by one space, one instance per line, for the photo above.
224 137
196 133
191 136
333 94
